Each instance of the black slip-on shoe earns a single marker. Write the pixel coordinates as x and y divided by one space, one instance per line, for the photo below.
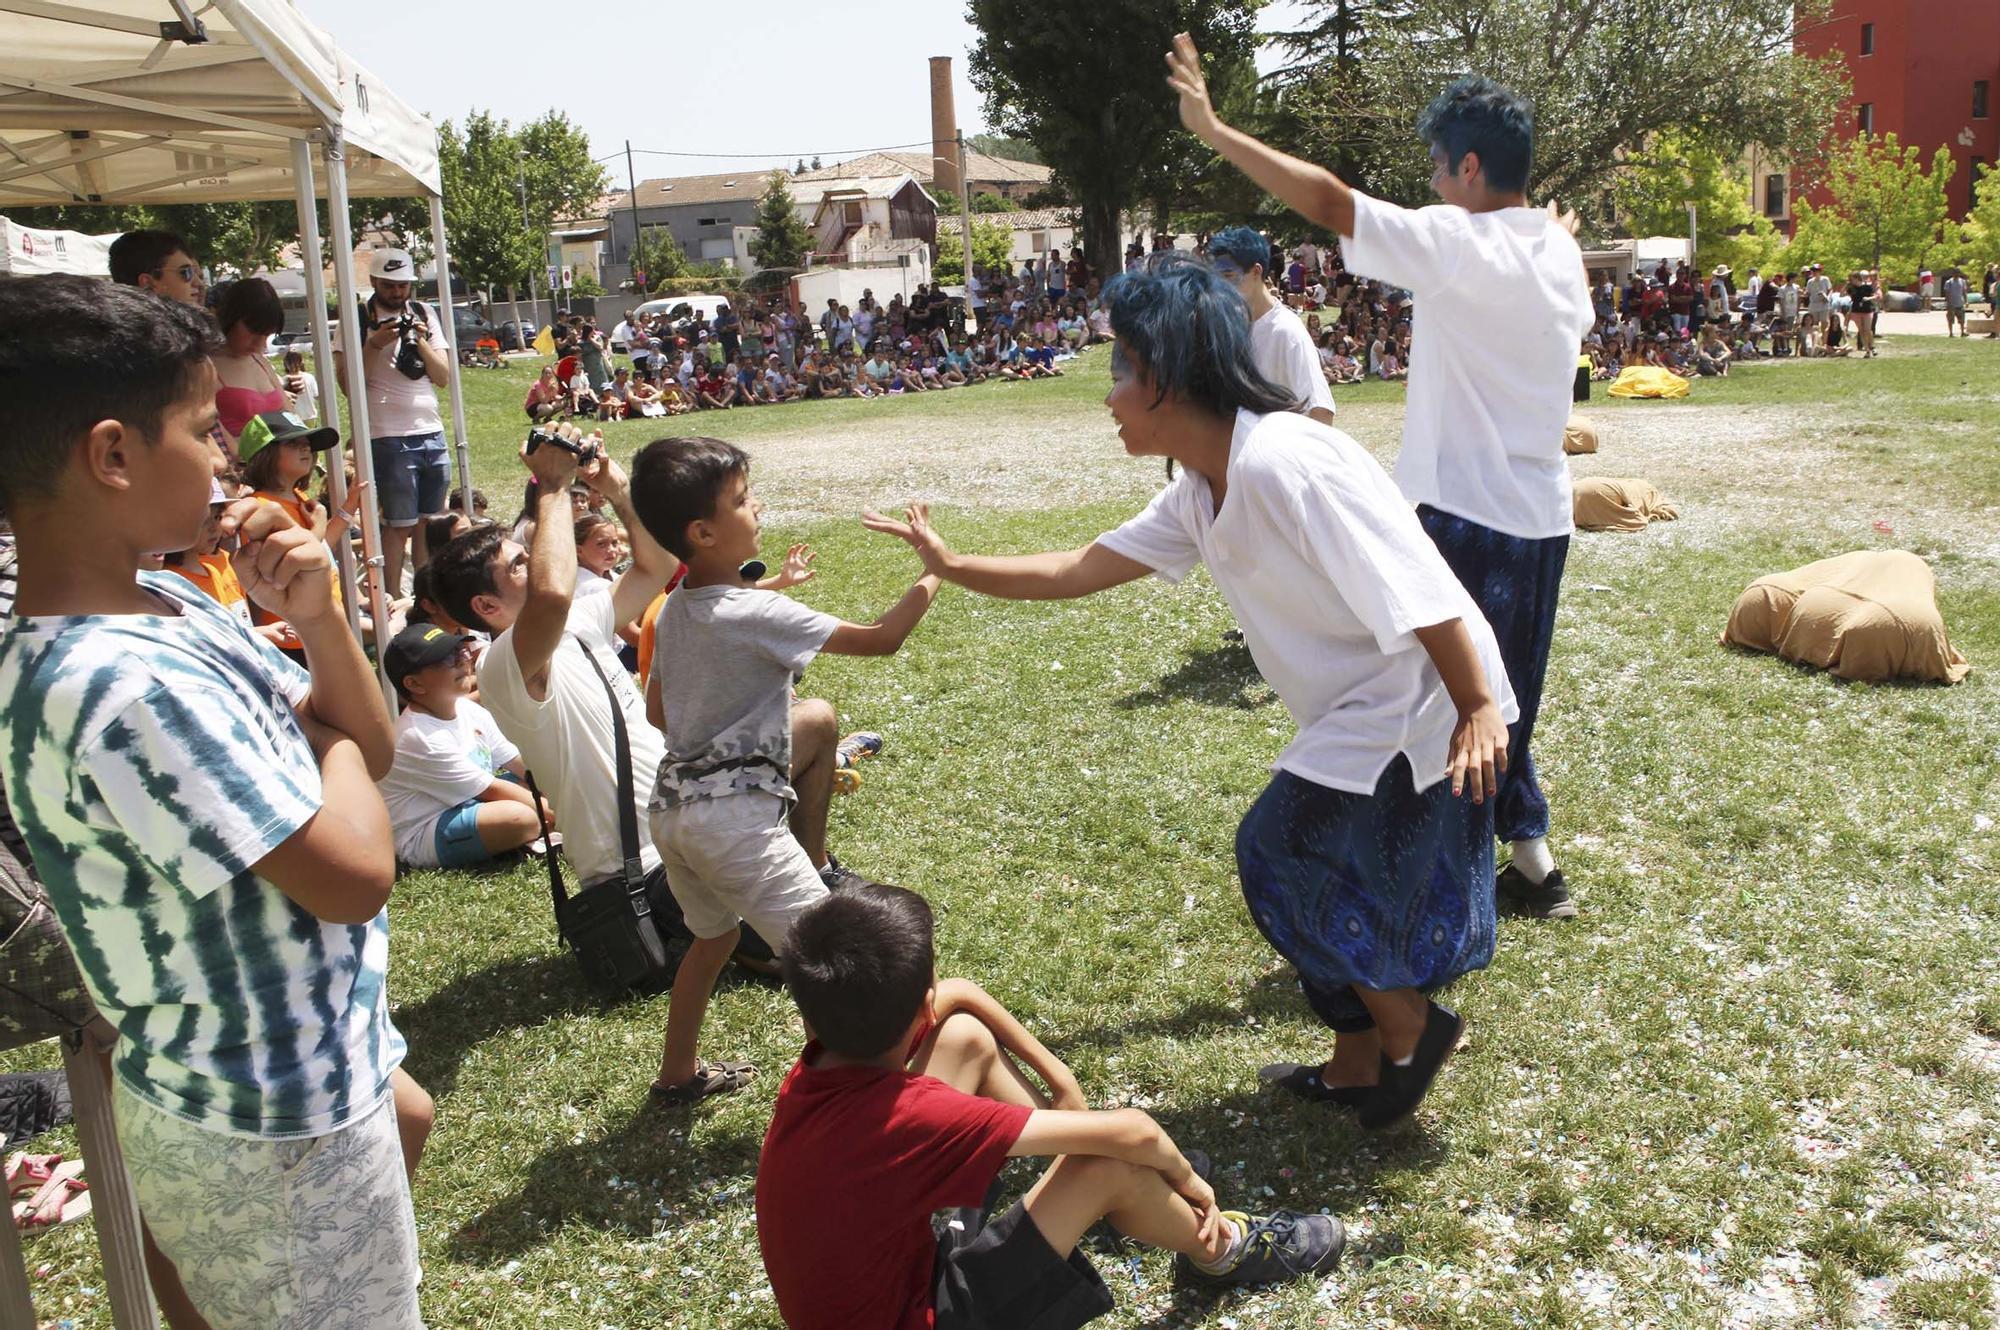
1404 1087
1547 899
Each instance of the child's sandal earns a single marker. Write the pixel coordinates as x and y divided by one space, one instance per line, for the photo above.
63 1199
710 1078
26 1172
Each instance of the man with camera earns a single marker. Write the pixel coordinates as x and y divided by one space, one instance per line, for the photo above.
404 361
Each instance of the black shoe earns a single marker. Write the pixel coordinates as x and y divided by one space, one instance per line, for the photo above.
1302 1079
1547 899
1403 1088
839 877
1282 1245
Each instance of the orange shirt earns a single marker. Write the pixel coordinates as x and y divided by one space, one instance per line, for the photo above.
295 506
646 626
217 578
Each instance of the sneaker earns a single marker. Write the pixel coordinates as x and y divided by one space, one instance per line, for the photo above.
1282 1245
1402 1088
860 744
1547 899
839 877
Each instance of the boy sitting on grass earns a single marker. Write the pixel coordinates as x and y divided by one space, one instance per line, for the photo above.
450 805
726 657
908 1101
205 817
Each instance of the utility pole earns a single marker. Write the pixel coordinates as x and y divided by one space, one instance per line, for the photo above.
632 197
521 183
965 220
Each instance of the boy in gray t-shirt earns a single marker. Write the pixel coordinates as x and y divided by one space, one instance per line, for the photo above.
727 655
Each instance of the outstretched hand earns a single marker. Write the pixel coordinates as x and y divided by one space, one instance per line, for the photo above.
1568 221
1184 76
915 530
797 568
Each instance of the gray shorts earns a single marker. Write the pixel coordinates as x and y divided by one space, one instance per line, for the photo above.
733 858
280 1235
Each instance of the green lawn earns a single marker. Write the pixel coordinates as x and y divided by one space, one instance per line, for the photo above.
1756 1083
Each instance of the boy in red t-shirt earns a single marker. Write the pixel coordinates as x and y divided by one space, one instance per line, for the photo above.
908 1103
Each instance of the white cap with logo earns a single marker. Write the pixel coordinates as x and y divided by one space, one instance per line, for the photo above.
392 265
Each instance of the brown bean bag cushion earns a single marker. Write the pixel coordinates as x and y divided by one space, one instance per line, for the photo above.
1868 615
1605 503
1580 435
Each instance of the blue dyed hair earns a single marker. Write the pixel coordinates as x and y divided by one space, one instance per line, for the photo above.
1478 115
1242 246
1190 332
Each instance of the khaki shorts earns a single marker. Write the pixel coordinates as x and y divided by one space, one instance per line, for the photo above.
733 858
280 1235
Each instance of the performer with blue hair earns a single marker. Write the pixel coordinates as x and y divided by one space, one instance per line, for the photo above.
1502 306
1279 342
1367 861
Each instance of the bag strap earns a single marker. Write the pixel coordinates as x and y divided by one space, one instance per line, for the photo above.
628 821
549 851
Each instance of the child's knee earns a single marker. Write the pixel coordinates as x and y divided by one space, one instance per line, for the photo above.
813 718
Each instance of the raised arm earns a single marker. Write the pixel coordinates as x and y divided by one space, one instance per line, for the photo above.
551 565
1055 575
652 565
1312 191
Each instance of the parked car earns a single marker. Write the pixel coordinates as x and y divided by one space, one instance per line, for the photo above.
470 326
681 307
517 335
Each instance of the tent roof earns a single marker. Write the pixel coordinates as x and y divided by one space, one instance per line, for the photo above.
105 101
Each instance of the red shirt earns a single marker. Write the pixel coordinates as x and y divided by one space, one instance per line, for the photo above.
855 1163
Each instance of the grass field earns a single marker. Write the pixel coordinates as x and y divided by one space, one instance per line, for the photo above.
1756 1083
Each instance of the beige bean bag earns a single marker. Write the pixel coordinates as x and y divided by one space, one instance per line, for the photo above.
1604 503
1580 435
1868 615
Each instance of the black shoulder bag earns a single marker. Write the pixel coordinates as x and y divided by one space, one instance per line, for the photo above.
611 925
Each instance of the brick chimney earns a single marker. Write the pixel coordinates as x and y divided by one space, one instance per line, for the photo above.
946 169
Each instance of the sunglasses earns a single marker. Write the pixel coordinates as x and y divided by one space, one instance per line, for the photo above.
187 272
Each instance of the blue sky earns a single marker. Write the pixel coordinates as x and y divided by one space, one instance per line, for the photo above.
788 77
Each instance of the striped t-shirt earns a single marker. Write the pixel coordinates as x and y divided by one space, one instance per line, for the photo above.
151 760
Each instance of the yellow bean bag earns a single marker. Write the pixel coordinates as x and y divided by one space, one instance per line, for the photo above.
1602 503
1869 615
1648 381
1580 435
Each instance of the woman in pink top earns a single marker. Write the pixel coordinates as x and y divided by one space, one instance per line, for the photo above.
246 385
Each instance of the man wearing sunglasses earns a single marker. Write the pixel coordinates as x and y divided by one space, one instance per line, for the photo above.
158 261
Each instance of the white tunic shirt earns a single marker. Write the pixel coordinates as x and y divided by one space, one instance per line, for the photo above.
1285 355
1503 307
1329 575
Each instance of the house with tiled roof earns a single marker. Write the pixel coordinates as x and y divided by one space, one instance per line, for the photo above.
985 174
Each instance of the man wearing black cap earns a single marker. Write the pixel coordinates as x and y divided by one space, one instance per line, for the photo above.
450 801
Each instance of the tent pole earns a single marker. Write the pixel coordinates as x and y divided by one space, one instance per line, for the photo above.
357 397
459 451
309 250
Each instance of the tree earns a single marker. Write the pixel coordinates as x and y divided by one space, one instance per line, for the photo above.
992 247
490 243
562 180
782 239
1980 236
657 258
1652 196
988 202
1605 76
999 145
1885 211
1084 84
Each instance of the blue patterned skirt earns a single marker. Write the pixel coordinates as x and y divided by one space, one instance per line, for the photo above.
1392 889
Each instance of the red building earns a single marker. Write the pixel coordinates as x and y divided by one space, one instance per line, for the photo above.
1927 71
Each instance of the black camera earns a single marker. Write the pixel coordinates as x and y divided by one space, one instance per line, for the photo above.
584 450
410 329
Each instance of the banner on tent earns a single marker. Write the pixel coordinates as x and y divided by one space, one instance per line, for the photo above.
30 252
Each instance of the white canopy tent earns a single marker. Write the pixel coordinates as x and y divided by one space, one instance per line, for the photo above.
200 101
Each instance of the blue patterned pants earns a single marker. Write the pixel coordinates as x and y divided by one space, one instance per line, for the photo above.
1515 582
1392 889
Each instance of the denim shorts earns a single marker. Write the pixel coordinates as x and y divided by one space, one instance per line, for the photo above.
412 476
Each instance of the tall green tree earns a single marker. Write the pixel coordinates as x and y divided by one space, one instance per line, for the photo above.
992 247
1675 169
562 180
1086 85
1605 77
480 163
1000 145
1980 236
1884 211
782 239
657 258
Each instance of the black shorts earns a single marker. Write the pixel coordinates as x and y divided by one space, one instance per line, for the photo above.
1004 1275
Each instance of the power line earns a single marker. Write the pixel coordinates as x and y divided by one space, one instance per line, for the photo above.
824 152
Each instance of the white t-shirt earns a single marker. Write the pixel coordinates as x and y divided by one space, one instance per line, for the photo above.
1505 305
1819 292
398 405
566 739
439 765
1284 353
1329 573
305 403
